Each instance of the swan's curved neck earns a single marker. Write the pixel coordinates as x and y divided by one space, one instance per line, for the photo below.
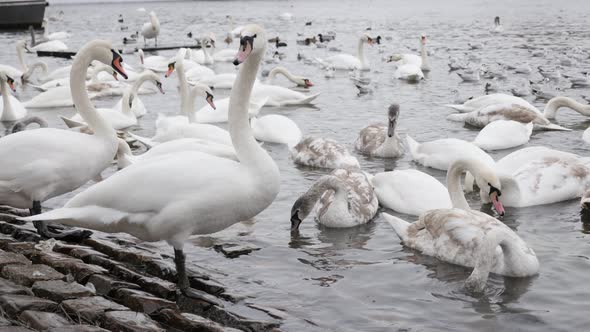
155 22
361 52
206 53
41 65
80 96
424 56
20 53
248 151
182 83
283 71
555 103
454 184
326 182
190 103
8 112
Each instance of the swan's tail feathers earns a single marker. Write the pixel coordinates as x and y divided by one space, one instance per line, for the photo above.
143 140
460 108
399 226
552 126
304 101
458 117
412 146
94 217
72 123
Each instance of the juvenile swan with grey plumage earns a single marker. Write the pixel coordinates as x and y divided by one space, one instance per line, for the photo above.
379 140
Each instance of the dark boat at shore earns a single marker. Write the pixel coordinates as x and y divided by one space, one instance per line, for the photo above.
18 14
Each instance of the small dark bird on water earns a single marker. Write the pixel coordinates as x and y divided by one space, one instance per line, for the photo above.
190 34
121 18
279 43
308 23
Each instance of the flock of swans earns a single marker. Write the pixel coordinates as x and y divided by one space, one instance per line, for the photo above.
197 178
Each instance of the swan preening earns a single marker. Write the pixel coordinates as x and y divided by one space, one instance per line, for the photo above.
191 192
344 198
467 237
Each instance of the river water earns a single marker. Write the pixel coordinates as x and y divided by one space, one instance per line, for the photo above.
362 279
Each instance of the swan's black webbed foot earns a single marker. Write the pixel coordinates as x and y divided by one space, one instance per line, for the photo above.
75 235
183 283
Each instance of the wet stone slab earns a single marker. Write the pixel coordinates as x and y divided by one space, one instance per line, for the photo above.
142 301
42 321
105 284
26 275
9 287
129 321
77 328
15 329
4 322
59 290
68 265
14 304
91 309
11 258
234 250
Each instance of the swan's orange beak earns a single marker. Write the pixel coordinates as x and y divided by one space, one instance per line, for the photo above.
10 82
170 69
245 49
307 83
210 100
117 64
496 203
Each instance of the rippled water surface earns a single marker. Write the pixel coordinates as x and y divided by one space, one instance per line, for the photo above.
362 279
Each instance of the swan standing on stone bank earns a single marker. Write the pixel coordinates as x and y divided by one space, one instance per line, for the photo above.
49 162
187 193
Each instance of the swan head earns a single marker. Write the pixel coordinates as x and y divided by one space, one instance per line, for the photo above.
104 52
252 41
369 40
9 80
423 39
300 210
392 116
154 78
395 57
141 56
490 187
204 91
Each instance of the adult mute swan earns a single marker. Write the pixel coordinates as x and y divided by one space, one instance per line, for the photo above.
441 153
276 128
468 237
299 80
557 102
48 162
491 99
419 61
380 140
409 72
347 61
135 103
410 191
126 158
123 118
155 63
346 199
151 29
26 71
503 134
279 96
188 193
54 35
50 46
24 123
203 56
322 153
11 108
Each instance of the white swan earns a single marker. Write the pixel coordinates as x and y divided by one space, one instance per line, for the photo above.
441 153
322 153
280 96
299 80
497 26
420 61
123 118
14 72
491 99
188 193
276 128
155 63
137 105
24 123
487 114
225 55
125 157
54 35
10 107
218 81
538 175
503 134
410 191
467 237
344 198
50 46
555 103
151 29
221 114
408 72
347 61
381 140
49 162
203 56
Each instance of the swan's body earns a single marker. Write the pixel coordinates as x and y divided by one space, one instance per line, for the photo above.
410 191
409 72
155 63
299 80
276 128
226 55
151 29
411 59
345 198
206 115
467 237
381 140
198 73
557 102
503 134
11 109
54 35
492 99
280 96
219 81
441 153
189 193
48 162
50 46
322 153
347 61
125 158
